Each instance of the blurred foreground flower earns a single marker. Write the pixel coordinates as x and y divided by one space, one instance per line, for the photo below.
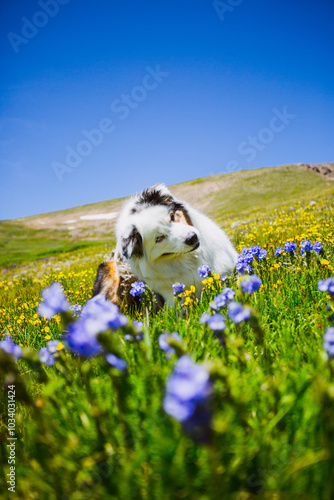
222 299
326 285
54 301
164 344
46 357
328 344
250 284
188 398
9 347
98 315
237 312
116 362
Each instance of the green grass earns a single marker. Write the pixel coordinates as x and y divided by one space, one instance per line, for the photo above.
19 243
87 431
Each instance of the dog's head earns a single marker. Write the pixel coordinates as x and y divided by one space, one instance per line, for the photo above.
156 226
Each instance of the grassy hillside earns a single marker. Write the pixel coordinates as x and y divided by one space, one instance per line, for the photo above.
240 196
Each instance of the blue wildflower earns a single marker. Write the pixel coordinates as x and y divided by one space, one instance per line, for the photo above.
326 285
54 301
251 283
204 271
105 314
290 246
165 346
52 346
328 344
223 278
243 262
188 398
279 251
178 288
306 246
237 312
247 255
98 315
255 250
76 309
222 299
262 254
45 357
116 362
82 338
9 347
204 318
241 265
137 288
317 247
216 323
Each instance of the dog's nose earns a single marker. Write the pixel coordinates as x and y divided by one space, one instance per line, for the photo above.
192 239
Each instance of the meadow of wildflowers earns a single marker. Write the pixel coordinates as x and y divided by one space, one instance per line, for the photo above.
228 397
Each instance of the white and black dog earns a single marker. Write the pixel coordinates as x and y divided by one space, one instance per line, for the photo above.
163 241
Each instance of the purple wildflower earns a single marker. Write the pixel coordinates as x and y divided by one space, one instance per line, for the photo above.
247 255
45 357
52 346
76 309
222 299
9 347
250 284
216 323
237 312
204 271
204 318
54 301
262 254
137 288
188 397
306 246
178 288
279 251
317 247
255 250
164 344
326 285
290 246
116 362
98 315
328 344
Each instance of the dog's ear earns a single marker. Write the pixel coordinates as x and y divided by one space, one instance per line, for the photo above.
132 243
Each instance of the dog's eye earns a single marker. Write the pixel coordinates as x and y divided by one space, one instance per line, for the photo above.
172 217
159 238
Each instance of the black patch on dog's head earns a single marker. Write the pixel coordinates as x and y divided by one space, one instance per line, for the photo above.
132 244
153 196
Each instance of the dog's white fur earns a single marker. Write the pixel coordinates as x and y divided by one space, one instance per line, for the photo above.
160 271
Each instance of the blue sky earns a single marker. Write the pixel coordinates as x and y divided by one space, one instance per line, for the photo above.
179 90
